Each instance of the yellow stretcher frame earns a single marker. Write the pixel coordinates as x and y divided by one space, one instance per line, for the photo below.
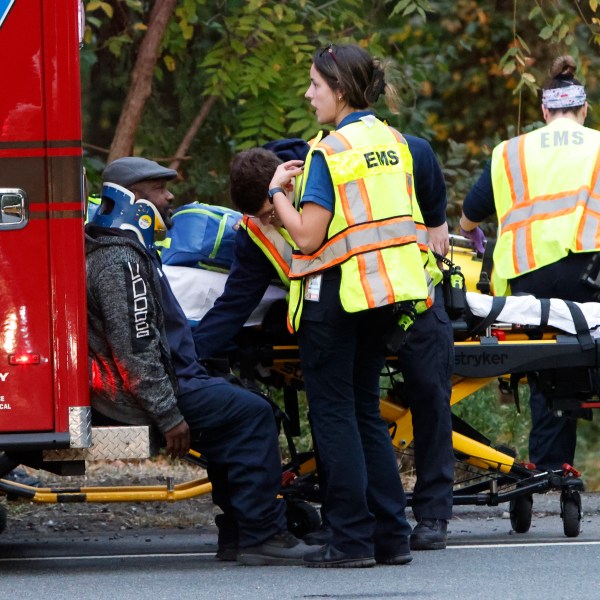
287 366
285 363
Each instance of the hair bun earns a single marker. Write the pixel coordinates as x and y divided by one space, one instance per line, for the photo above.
563 67
377 85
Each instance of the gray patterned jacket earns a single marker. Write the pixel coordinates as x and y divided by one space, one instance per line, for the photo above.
132 376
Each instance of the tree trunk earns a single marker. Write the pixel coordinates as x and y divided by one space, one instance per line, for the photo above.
187 140
141 79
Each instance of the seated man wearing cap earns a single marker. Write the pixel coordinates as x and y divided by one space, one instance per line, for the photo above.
145 369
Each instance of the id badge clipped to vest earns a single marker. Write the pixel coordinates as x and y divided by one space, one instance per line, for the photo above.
312 291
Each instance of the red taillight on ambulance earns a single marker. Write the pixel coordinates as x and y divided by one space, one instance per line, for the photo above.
24 359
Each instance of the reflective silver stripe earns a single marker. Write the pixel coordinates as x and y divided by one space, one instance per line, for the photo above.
514 166
593 204
358 239
275 244
278 241
422 236
544 207
590 224
379 291
335 143
359 211
430 285
520 246
588 233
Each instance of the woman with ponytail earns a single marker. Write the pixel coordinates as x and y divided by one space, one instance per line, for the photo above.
361 254
545 188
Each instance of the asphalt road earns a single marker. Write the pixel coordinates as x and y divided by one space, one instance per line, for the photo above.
484 559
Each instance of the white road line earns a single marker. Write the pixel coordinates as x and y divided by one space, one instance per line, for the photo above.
211 554
111 556
522 545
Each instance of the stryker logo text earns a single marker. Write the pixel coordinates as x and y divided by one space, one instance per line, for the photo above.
472 360
3 376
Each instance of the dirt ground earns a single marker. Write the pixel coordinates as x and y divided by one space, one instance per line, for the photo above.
29 518
26 518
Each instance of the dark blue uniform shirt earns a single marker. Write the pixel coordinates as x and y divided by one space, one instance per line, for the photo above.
479 202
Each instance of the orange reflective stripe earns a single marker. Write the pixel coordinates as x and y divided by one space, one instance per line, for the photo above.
373 274
349 216
362 269
588 231
525 179
275 253
347 145
355 241
366 200
386 279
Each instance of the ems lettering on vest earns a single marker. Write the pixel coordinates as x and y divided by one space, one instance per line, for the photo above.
553 139
138 297
380 158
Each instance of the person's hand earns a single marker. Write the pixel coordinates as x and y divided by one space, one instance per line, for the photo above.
438 239
178 440
285 172
476 236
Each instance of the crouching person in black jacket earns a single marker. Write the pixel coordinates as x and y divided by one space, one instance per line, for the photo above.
145 369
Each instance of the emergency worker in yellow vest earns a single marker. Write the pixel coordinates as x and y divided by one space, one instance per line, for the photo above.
361 247
545 188
263 254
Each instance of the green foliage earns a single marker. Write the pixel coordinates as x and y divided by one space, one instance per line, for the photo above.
587 454
467 73
495 416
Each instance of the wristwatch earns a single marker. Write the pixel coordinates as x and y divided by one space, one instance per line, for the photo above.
273 191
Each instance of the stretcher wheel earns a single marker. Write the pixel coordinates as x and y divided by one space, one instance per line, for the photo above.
521 509
302 518
2 519
570 505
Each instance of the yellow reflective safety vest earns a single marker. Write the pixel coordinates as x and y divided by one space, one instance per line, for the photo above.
275 243
373 234
93 204
547 198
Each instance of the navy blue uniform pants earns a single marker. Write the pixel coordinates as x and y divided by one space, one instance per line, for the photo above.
426 361
342 357
235 430
552 439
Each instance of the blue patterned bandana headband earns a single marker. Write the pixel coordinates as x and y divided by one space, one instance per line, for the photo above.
564 97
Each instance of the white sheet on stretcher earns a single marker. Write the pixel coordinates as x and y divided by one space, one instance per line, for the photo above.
526 310
197 289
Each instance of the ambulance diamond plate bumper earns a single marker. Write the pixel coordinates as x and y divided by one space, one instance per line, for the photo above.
112 443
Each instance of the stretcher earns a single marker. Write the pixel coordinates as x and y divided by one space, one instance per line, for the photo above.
268 360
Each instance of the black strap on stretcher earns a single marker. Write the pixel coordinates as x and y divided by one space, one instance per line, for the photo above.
581 326
498 303
484 285
582 331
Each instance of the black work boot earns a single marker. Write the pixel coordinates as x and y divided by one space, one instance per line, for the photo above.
280 549
320 537
328 556
429 534
227 545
